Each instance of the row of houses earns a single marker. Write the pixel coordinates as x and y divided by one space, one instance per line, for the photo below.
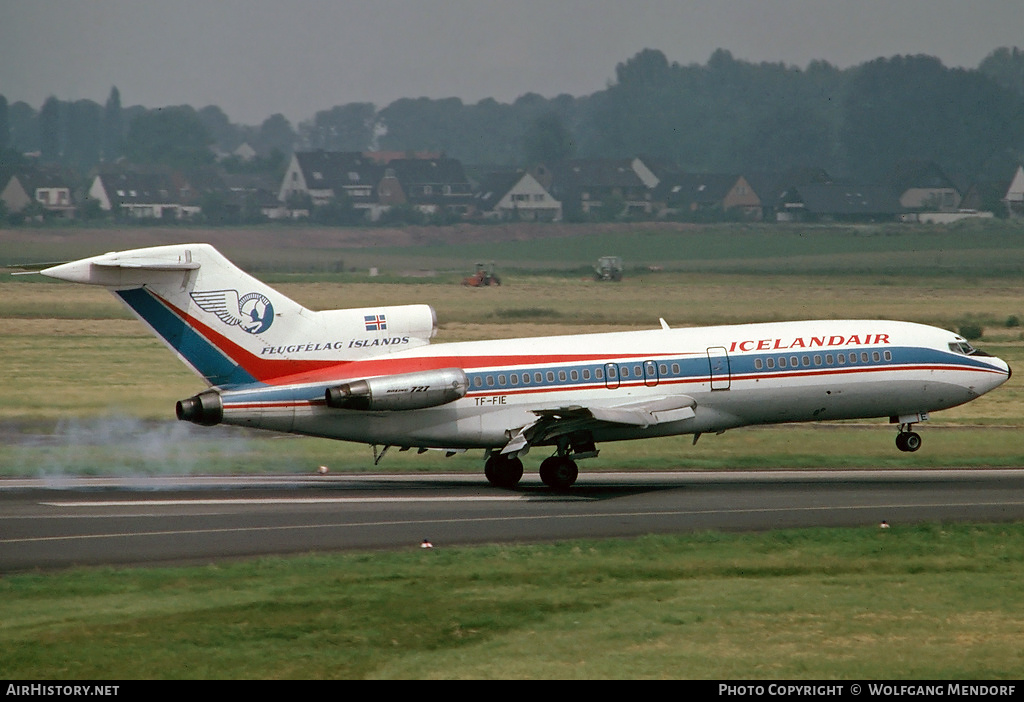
136 192
374 183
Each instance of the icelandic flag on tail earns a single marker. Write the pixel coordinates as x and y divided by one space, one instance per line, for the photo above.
375 322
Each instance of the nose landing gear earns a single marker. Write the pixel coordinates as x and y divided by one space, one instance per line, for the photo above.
908 441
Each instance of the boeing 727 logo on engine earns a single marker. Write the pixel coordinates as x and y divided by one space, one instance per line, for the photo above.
565 394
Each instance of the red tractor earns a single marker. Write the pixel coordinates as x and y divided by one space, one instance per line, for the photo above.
483 277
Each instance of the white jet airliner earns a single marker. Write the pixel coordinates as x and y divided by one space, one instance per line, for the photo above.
370 375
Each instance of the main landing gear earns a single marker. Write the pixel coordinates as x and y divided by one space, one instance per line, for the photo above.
503 471
557 472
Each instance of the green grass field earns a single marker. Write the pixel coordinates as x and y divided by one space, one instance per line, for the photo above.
930 602
87 390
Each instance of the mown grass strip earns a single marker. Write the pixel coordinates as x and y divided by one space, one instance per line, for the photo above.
929 602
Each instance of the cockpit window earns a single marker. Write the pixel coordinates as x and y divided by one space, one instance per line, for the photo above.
965 348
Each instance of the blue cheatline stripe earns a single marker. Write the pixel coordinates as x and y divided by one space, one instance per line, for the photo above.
694 368
202 355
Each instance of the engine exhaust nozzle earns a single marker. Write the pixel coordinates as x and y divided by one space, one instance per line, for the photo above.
206 409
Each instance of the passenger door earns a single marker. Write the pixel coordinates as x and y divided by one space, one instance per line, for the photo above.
718 368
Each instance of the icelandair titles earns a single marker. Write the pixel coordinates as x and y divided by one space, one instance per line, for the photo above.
812 342
333 346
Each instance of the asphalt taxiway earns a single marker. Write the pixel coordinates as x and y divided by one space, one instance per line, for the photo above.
50 523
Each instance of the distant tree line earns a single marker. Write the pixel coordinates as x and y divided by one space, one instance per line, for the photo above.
726 115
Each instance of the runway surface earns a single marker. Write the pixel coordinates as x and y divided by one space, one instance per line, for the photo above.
57 523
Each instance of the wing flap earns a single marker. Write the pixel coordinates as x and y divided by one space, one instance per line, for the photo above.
641 414
566 420
670 409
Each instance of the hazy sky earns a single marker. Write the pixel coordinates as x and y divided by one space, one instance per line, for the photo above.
257 57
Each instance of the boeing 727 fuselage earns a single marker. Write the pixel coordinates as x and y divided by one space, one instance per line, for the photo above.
370 375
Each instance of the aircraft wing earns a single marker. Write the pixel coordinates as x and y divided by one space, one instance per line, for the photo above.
552 423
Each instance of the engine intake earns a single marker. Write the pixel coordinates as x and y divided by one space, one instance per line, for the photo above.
206 409
406 391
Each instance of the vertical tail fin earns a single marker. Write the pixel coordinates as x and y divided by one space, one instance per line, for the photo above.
231 328
167 286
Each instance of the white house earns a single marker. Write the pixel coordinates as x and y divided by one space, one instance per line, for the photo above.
516 195
325 176
50 191
150 195
1014 198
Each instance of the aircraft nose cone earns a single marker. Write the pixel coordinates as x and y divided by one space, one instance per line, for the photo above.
1009 371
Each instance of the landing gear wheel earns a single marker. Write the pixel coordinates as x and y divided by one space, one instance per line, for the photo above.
559 472
502 471
908 441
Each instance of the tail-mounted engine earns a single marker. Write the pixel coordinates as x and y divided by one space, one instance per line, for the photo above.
406 391
206 409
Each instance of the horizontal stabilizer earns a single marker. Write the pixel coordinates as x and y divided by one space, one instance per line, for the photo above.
104 269
151 265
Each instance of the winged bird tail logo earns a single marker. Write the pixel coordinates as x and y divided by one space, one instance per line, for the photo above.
253 312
